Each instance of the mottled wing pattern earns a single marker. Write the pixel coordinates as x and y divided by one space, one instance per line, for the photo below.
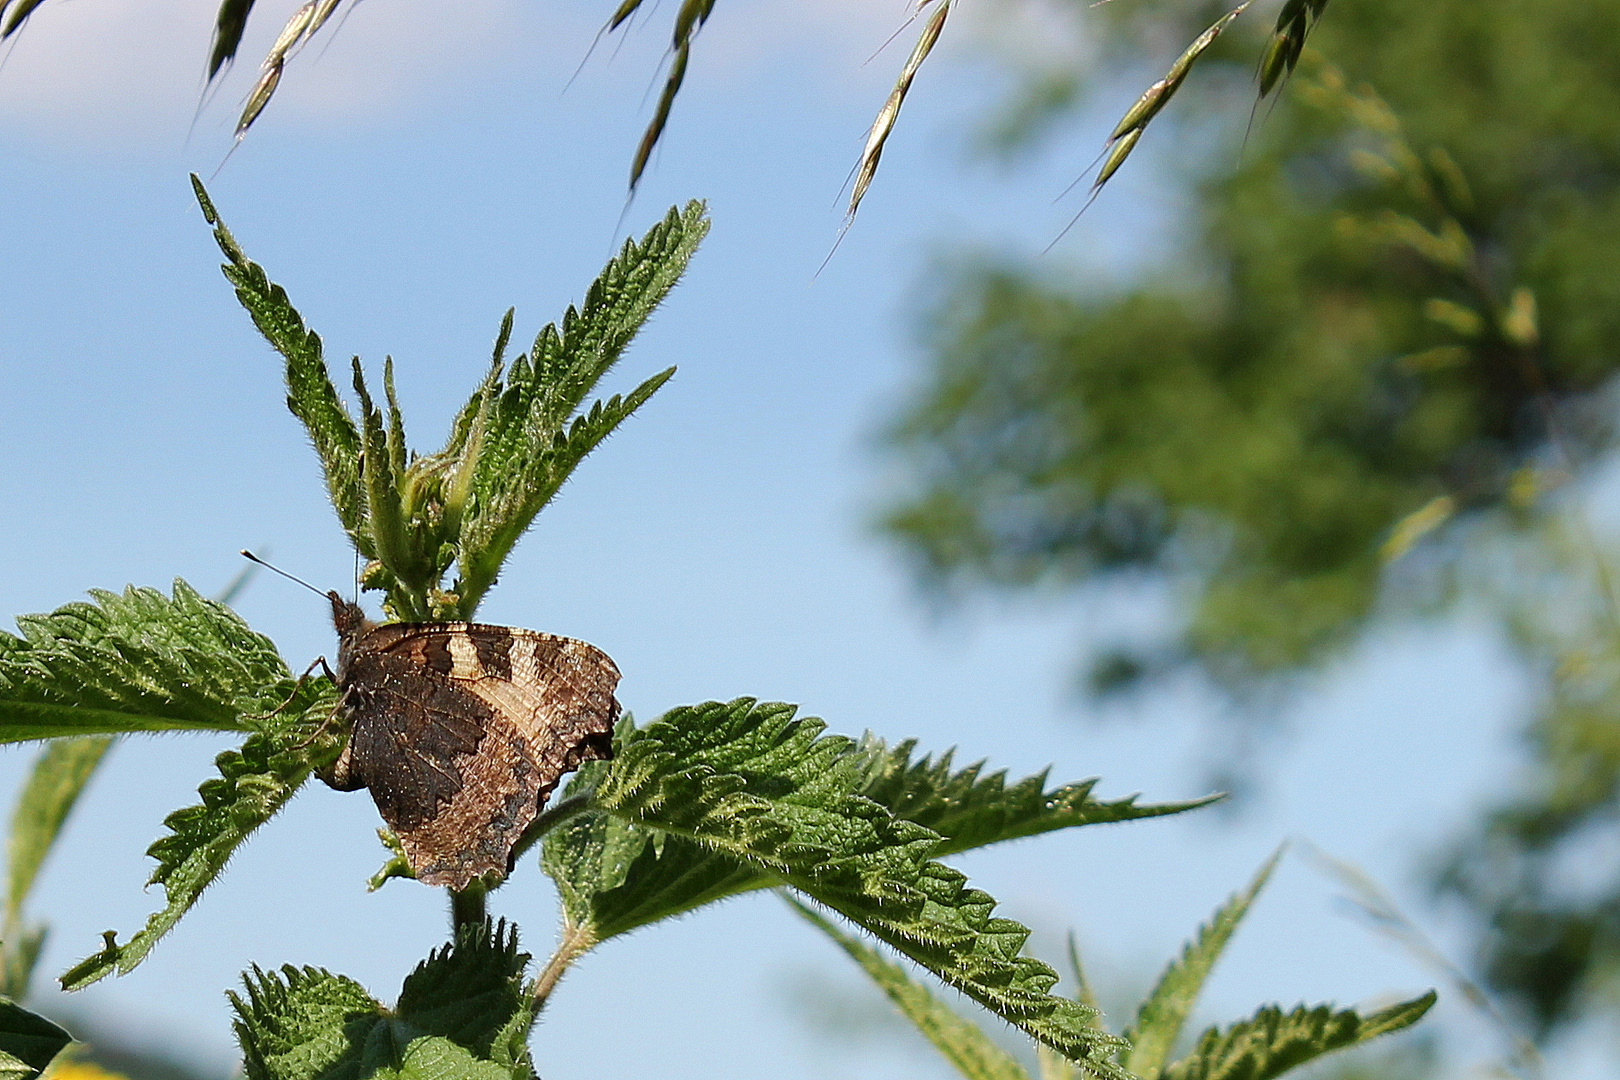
463 730
410 730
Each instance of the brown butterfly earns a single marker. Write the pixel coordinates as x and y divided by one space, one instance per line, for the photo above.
462 731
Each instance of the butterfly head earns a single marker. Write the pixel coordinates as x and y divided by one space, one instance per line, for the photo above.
347 616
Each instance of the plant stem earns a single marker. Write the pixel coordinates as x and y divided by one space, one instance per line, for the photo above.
576 942
467 907
548 820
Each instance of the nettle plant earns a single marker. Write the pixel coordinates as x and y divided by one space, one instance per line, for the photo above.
706 802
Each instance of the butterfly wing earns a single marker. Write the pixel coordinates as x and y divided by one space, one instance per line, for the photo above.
462 731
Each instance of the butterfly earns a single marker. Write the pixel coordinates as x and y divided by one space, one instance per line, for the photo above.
462 730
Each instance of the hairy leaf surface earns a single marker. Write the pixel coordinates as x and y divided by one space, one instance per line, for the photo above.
964 1043
136 661
255 782
1160 1019
471 992
1272 1042
769 790
462 1015
431 1057
614 875
519 440
591 856
310 393
302 1023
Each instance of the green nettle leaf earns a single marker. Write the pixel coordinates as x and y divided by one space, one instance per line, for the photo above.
142 661
970 810
614 876
59 776
511 447
522 441
303 1023
139 661
1272 1042
28 1042
472 993
964 1043
750 781
431 1057
591 856
1161 1017
255 782
310 393
462 1015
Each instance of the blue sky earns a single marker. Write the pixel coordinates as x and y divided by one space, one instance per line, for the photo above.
410 183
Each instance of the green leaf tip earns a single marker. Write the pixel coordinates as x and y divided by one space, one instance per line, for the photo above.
1165 1011
95 967
255 782
512 446
970 808
1273 1042
615 874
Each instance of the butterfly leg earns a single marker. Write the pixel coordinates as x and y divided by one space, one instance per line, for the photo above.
337 710
320 662
341 775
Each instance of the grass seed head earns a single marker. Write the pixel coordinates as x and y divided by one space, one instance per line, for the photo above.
269 79
323 11
292 32
883 123
1123 139
1116 156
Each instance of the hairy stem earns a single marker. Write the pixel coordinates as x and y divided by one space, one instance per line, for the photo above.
467 907
548 820
576 942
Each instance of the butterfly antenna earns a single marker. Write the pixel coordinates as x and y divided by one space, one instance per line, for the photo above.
248 555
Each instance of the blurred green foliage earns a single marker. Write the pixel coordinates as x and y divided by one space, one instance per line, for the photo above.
1379 360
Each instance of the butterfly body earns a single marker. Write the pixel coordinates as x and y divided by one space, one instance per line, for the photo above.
462 730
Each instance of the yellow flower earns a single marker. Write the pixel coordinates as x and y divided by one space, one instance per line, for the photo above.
82 1070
